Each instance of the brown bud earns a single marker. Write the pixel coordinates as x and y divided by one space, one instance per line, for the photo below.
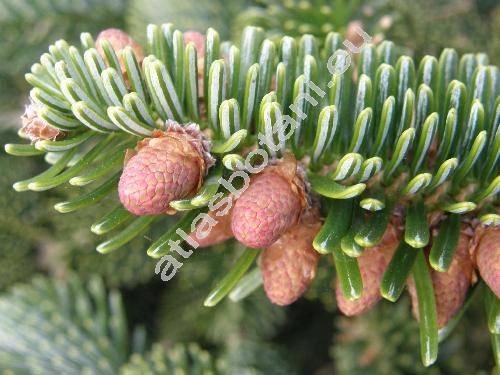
352 33
37 128
386 22
289 265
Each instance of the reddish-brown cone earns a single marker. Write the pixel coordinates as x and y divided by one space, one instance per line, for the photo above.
289 265
450 288
36 128
119 40
487 256
219 233
372 264
271 205
169 166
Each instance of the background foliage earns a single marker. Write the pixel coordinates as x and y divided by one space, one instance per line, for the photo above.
29 26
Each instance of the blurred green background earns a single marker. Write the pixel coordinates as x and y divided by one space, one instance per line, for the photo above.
55 253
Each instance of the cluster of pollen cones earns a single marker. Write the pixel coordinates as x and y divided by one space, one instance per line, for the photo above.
276 213
476 249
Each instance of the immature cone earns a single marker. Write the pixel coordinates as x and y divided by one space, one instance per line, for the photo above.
289 265
37 128
219 233
271 205
372 265
487 256
169 166
119 40
353 33
450 288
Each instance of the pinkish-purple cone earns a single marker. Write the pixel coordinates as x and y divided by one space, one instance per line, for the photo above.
289 265
487 255
372 265
169 166
270 206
